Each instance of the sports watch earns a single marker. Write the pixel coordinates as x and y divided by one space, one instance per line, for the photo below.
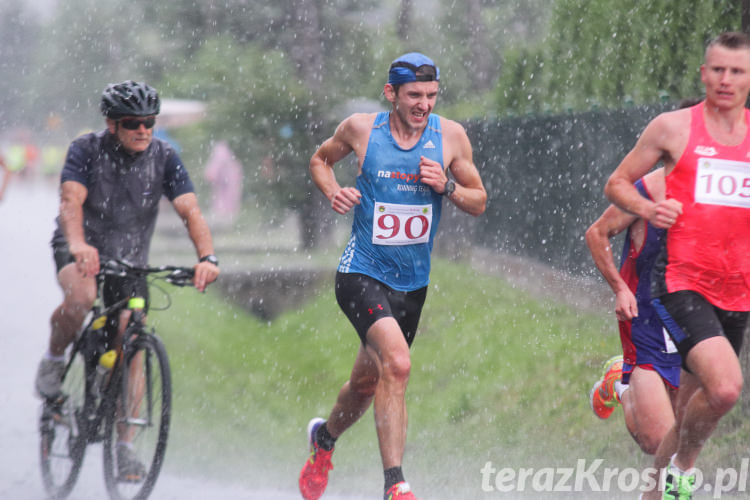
210 258
450 186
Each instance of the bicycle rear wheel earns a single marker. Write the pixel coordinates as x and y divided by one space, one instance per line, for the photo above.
63 432
137 423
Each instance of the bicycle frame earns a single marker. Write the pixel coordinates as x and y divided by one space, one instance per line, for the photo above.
88 345
133 401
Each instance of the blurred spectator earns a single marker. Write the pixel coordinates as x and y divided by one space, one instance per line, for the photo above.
224 173
15 157
52 159
22 156
5 177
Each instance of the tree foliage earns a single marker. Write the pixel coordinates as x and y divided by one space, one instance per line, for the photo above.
279 74
606 53
274 95
264 118
20 33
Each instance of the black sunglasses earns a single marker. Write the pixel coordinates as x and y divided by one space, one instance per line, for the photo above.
135 124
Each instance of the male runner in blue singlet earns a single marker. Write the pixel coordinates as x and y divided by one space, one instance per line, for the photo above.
645 379
404 156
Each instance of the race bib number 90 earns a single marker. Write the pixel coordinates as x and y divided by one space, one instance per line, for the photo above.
395 224
723 182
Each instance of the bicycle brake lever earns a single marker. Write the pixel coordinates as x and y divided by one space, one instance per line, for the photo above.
180 277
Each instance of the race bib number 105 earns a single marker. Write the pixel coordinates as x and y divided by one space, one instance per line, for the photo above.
395 224
723 182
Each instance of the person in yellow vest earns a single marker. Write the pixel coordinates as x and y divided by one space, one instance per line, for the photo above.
15 158
52 159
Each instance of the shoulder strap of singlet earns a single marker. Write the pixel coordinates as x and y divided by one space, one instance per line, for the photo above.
696 119
433 122
642 189
381 119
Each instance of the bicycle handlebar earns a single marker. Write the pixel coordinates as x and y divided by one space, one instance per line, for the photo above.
178 275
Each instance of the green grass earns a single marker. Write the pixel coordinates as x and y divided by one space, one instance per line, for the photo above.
496 376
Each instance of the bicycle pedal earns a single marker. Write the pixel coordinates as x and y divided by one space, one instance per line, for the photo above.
130 479
57 400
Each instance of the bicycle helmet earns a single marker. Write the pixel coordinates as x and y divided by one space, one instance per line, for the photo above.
129 98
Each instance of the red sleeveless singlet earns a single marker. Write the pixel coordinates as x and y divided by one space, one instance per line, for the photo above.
708 248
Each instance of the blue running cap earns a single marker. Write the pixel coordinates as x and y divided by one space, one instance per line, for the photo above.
413 67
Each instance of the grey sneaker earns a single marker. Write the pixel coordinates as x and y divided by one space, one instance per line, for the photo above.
49 378
129 468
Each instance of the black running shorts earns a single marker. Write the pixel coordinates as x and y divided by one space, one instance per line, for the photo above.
365 300
690 318
115 288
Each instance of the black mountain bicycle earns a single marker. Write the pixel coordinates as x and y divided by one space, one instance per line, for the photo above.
118 395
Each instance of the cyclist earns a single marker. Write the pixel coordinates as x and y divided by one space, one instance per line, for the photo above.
111 184
404 156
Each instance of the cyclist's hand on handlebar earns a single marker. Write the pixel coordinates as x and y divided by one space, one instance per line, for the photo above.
86 257
205 273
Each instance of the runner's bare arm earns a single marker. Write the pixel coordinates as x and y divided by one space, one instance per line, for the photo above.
611 223
659 142
470 195
349 136
72 196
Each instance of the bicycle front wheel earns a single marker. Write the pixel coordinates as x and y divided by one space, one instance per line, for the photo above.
63 431
137 423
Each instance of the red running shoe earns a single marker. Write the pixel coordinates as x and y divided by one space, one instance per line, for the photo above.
399 491
603 397
314 476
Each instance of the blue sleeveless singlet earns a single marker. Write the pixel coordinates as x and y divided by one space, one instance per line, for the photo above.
397 218
644 340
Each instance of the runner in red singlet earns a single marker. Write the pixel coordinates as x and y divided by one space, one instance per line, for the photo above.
701 287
